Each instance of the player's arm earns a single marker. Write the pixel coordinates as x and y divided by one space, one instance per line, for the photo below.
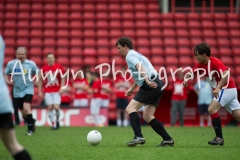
220 84
7 79
143 73
131 89
62 83
40 84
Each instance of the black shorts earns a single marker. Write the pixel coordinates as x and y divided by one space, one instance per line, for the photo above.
148 95
6 121
19 101
202 109
122 103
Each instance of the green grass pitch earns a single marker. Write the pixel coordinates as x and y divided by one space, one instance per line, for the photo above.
69 143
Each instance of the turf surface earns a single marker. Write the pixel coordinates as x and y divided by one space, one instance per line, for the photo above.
70 143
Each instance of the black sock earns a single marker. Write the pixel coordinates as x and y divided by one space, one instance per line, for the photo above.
30 122
23 155
135 122
217 127
57 114
159 129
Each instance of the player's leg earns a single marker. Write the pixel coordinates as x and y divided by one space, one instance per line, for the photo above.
148 116
234 108
132 109
119 112
125 114
201 115
173 112
48 97
182 105
8 137
29 118
56 106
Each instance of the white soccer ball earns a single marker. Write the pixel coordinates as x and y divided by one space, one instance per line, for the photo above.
94 137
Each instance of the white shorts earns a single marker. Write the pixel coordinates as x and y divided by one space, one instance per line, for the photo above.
95 105
105 103
228 98
52 98
83 102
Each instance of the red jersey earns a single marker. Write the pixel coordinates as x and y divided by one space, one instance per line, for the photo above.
52 85
80 93
120 91
106 83
97 86
66 97
215 65
179 91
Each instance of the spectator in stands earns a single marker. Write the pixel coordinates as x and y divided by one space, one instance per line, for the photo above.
122 101
179 99
66 96
106 88
204 92
80 84
88 75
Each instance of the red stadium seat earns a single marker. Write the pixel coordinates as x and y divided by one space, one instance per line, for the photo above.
170 51
211 41
114 16
102 42
49 24
228 61
88 16
167 16
62 33
180 16
36 24
141 15
156 41
89 33
184 51
49 33
114 7
62 7
23 16
223 42
103 59
11 6
128 15
50 7
23 24
153 6
140 7
22 42
144 50
101 7
89 42
49 42
89 61
75 42
233 24
36 15
102 24
76 60
154 24
115 24
185 60
37 7
75 15
103 51
221 33
141 24
221 24
37 60
36 42
153 15
75 7
195 41
195 33
9 42
75 25
75 51
115 33
207 24
101 16
50 15
219 16
102 33
169 60
128 24
235 42
182 33
62 24
183 42
62 51
169 42
208 33
214 52
9 33
181 24
142 33
193 16
232 16
88 24
127 7
24 7
206 16
168 33
224 51
155 33
237 69
89 52
46 50
234 33
194 24
36 33
118 60
167 24
157 60
35 51
7 59
63 60
129 32
9 51
63 16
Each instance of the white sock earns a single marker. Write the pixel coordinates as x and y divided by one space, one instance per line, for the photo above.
125 122
201 124
119 122
51 116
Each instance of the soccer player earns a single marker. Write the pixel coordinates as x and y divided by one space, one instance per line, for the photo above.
21 71
7 133
224 89
52 88
105 91
149 94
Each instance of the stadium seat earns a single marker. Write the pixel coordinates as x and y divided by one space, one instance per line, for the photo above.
113 41
182 33
237 68
114 7
207 24
9 33
154 24
153 15
62 7
62 24
119 60
170 51
11 6
194 24
63 60
142 33
228 61
167 24
156 41
9 51
168 33
195 33
157 60
75 51
23 16
167 16
115 24
75 60
36 33
157 51
206 16
114 51
22 42
103 51
184 51
127 7
153 6
75 42
102 42
140 7
223 42
141 24
128 15
232 16
180 24
220 33
50 7
88 16
214 52
37 7
155 33
89 61
63 16
75 25
223 51
129 32
75 16
49 33
193 16
10 42
219 16
89 33
103 59
180 16
183 42
7 59
114 16
35 51
62 51
23 24
50 15
24 7
89 52
102 24
75 7
36 42
49 24
169 60
141 15
210 41
102 33
144 50
235 42
115 33
49 42
128 24
36 24
88 24
169 42
62 33
195 41
36 15
185 60
37 60
220 24
233 24
234 33
101 16
46 50
209 33
101 7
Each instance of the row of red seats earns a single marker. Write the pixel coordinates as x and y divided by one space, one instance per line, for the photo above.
219 33
83 6
115 23
105 42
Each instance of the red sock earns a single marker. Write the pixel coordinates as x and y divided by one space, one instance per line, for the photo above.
214 115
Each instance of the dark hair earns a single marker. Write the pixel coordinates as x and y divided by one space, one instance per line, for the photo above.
203 48
50 53
125 41
96 74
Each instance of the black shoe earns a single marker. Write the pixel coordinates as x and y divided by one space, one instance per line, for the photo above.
34 126
135 141
216 141
29 133
57 125
169 142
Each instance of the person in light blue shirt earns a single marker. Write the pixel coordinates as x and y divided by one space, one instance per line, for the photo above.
149 94
204 92
19 73
7 133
